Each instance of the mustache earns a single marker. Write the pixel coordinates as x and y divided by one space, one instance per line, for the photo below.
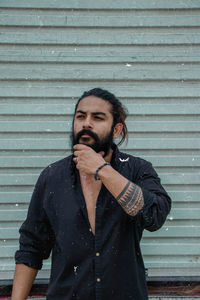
89 132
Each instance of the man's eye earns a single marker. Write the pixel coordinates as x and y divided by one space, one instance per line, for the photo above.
99 118
79 116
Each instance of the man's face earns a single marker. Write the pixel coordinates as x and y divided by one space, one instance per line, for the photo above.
93 124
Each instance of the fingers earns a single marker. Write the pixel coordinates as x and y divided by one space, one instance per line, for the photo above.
80 147
77 153
86 159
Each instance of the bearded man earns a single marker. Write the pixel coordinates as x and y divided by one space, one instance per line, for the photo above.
90 209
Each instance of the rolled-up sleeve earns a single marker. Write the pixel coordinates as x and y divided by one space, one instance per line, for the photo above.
157 203
36 235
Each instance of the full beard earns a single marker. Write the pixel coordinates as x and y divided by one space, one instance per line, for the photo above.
104 144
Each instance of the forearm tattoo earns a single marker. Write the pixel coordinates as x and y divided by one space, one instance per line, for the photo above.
131 198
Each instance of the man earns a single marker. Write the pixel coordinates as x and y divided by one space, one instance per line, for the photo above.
90 209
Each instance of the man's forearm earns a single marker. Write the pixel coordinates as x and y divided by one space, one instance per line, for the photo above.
128 194
23 280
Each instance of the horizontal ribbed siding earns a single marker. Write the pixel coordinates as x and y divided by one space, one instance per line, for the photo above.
103 4
147 53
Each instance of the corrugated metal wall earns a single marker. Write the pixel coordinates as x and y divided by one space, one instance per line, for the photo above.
148 54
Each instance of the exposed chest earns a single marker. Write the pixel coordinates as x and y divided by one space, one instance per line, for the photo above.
91 191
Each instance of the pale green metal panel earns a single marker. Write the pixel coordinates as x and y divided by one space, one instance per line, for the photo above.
100 72
147 53
98 36
126 89
91 53
69 18
104 4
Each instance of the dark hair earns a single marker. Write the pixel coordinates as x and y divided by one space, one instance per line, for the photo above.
119 112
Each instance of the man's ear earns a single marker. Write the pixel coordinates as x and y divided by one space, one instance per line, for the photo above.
117 130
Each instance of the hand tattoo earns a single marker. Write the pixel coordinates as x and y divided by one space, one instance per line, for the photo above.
131 198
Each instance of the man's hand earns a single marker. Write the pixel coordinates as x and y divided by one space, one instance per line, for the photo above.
128 194
86 159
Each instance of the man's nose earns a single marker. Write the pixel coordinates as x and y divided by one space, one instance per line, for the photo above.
87 123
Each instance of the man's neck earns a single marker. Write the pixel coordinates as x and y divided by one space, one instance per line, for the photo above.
108 157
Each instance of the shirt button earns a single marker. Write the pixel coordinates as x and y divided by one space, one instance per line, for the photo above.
97 254
98 279
90 229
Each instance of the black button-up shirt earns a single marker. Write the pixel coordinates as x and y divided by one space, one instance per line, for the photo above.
104 266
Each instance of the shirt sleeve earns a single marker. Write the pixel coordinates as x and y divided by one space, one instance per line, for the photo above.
157 203
36 235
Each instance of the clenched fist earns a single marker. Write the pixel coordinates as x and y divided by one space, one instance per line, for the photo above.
86 159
